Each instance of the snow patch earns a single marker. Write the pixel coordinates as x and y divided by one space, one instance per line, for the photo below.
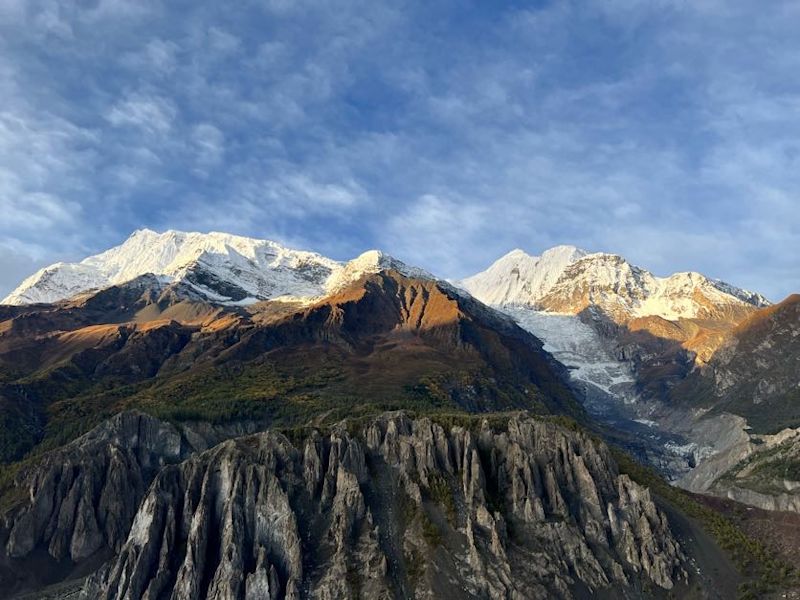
519 278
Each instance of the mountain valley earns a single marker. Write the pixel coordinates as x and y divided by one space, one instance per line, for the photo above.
670 360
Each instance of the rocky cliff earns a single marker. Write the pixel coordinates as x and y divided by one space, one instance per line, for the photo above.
391 507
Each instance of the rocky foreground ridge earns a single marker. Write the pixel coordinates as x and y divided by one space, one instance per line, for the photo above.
511 507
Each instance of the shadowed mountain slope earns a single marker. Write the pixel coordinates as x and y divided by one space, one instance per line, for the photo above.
756 372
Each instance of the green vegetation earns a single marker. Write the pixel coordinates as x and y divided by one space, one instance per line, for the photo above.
315 386
774 414
407 510
415 566
497 421
354 581
783 468
16 436
256 391
10 495
430 531
441 493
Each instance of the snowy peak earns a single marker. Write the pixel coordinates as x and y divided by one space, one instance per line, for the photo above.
566 279
221 267
173 252
519 278
625 291
371 261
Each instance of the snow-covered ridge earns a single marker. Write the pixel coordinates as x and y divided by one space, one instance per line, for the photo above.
566 279
219 266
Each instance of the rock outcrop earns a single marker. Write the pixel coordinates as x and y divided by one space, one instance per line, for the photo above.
395 508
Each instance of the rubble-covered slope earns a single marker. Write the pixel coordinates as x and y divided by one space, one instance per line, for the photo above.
630 340
640 333
756 372
755 375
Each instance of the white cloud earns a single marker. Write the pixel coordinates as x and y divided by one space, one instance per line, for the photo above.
37 211
210 144
638 127
157 57
36 155
150 113
299 194
222 41
51 21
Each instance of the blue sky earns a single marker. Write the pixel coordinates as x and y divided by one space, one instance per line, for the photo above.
445 133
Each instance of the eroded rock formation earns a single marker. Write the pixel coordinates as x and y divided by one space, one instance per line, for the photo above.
393 508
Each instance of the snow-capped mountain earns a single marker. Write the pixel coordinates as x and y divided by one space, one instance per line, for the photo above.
625 334
519 278
569 280
220 267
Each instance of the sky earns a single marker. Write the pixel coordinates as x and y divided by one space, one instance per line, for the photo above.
443 132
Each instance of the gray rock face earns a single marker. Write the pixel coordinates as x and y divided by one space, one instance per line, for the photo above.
398 508
84 496
785 502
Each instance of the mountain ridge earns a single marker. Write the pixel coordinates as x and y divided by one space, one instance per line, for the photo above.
384 338
548 282
223 268
628 338
232 269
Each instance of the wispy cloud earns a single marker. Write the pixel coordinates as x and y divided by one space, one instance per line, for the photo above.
150 113
210 144
666 131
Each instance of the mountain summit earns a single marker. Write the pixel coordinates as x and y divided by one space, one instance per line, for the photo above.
168 393
219 267
627 336
519 278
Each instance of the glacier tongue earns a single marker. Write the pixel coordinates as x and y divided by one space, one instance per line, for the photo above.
577 346
608 388
577 303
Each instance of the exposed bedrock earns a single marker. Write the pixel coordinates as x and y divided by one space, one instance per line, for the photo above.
394 508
